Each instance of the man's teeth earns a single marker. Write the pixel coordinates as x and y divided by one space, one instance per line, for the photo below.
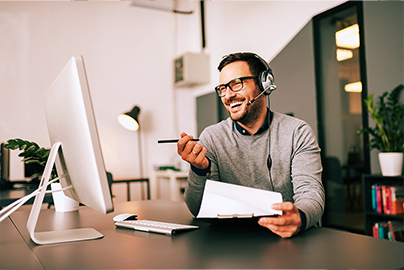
235 104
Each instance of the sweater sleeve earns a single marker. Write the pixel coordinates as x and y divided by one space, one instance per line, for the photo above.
194 191
197 179
309 195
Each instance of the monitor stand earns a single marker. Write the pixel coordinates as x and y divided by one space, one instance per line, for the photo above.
52 237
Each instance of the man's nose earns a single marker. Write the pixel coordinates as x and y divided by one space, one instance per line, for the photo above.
229 93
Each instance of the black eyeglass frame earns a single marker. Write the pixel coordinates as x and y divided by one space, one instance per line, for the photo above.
227 85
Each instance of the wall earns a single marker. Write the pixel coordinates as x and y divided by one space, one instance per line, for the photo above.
295 76
128 53
384 29
122 59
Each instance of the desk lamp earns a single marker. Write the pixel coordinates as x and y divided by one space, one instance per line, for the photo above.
130 121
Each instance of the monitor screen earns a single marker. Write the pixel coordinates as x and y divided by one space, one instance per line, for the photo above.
79 162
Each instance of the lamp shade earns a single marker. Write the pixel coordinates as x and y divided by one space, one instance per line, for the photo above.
130 120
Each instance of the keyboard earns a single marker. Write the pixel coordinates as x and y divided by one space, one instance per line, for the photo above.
155 226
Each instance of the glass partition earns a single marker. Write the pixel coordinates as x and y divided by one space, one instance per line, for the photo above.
340 87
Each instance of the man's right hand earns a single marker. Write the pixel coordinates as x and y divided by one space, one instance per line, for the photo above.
192 152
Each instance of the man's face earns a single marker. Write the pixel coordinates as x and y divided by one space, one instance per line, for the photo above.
236 102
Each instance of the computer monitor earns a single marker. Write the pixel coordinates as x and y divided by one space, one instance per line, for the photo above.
75 151
4 167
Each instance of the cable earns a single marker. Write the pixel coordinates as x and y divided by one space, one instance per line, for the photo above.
20 202
25 198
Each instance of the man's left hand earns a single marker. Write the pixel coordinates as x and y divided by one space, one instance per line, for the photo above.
286 225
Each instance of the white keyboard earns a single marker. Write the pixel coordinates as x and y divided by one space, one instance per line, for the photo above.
154 226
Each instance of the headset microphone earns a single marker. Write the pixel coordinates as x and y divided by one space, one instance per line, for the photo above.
270 88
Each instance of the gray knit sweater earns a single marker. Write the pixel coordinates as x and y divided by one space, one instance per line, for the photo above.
295 169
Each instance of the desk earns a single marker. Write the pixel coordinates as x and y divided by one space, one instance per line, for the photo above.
211 246
173 177
14 252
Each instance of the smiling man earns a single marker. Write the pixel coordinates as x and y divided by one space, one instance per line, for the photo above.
258 148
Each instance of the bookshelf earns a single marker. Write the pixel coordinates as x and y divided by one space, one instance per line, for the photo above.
372 216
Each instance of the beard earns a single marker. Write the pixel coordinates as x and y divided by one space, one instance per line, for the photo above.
249 114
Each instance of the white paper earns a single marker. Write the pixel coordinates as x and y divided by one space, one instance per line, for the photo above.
224 199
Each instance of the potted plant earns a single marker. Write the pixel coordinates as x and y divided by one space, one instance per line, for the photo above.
32 153
387 134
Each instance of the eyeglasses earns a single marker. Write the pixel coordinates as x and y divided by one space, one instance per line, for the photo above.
234 85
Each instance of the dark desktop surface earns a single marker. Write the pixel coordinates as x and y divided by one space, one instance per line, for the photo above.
210 246
14 252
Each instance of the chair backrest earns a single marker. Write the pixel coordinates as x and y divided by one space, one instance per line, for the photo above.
333 170
110 181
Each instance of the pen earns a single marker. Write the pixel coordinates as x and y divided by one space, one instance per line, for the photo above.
174 141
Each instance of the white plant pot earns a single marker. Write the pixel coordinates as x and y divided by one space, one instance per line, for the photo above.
61 201
391 164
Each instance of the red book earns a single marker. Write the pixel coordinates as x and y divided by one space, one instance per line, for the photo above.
379 199
375 230
397 200
388 200
391 236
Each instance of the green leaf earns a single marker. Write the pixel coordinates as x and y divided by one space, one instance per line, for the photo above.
388 114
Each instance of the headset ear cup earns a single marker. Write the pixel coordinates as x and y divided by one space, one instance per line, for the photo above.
260 82
266 80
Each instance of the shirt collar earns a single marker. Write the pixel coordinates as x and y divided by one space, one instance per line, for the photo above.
263 128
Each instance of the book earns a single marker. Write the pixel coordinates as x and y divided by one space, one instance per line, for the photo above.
391 234
397 200
379 208
387 199
384 199
382 230
373 195
375 230
389 230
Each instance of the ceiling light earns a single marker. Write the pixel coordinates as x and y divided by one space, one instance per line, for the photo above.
344 54
355 87
348 37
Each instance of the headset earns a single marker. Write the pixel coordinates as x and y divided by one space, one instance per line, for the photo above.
266 79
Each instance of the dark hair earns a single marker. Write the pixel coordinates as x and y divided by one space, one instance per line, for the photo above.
256 65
